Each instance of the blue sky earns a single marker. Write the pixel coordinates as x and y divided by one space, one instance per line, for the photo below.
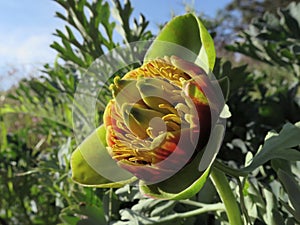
27 27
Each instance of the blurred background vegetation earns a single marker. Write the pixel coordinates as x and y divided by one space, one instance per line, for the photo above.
258 48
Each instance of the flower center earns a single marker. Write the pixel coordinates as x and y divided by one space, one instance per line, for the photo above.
156 127
149 113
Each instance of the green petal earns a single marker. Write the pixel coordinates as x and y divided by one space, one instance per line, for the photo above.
90 156
138 118
125 91
189 32
155 92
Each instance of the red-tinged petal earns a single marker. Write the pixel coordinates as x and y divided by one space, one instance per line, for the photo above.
107 118
171 156
212 92
188 67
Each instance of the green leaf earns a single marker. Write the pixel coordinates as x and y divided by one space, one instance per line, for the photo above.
3 134
186 31
91 159
224 83
293 190
278 146
83 214
272 215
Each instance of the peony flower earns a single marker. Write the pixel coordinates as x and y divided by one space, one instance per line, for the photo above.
157 127
156 112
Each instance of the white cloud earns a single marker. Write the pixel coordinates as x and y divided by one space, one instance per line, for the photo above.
35 48
22 54
24 48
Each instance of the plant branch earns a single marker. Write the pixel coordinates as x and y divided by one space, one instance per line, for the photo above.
206 208
193 203
229 170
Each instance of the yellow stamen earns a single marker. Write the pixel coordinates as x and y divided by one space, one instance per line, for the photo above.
172 125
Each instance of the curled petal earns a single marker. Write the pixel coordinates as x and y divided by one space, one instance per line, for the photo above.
188 67
138 118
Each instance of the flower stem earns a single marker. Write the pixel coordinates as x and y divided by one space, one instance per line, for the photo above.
226 195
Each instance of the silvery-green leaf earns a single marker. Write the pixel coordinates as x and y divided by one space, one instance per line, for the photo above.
278 146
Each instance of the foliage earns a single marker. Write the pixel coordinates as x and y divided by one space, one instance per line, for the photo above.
96 30
261 136
274 39
36 147
255 9
267 41
271 98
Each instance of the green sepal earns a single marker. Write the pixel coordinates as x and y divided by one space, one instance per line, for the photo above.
189 180
186 31
92 152
184 184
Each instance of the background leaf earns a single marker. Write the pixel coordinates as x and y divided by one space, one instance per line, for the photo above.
278 146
